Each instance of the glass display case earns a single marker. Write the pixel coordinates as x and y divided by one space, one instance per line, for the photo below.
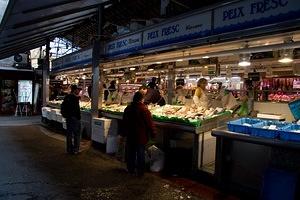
283 89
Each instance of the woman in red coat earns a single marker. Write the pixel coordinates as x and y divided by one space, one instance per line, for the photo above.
138 127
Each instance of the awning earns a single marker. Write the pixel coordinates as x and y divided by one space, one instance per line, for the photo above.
28 23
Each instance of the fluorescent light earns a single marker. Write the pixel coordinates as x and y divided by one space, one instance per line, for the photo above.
132 68
158 62
285 60
244 63
205 57
205 67
151 69
179 60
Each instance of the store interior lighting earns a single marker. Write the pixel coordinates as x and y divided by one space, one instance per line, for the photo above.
179 60
132 68
244 60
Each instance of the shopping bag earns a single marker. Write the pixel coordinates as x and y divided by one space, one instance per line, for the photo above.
156 157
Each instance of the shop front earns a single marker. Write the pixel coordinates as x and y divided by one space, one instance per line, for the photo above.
68 70
248 48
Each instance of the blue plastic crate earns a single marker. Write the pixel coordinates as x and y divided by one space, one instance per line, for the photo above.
240 127
260 131
295 108
289 133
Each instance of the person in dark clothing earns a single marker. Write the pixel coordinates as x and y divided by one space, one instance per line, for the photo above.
112 86
153 84
106 92
138 127
152 96
71 101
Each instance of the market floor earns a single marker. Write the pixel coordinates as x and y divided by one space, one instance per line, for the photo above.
35 166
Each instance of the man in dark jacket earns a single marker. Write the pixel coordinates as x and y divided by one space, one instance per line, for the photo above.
152 96
138 127
73 120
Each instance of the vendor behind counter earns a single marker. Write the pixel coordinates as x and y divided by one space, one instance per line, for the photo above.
152 96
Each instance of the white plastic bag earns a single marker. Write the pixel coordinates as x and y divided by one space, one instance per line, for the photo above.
157 158
112 144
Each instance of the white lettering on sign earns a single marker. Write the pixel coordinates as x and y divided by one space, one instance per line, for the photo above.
253 13
129 43
179 30
77 57
57 63
80 57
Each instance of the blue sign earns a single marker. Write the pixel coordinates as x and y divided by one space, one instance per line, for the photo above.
232 17
83 57
125 44
254 13
196 25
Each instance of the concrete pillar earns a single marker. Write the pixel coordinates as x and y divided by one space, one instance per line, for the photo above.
46 78
96 90
171 82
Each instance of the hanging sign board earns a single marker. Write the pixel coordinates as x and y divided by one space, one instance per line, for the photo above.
197 25
127 44
57 64
72 60
82 57
254 13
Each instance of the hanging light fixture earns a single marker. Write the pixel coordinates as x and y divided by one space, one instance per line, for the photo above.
245 60
286 56
245 57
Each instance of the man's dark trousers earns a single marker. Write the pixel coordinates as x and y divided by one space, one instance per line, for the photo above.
73 135
135 158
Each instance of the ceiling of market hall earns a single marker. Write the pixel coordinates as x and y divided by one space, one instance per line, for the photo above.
27 24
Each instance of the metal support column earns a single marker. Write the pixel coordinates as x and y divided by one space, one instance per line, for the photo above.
46 80
171 82
218 68
96 93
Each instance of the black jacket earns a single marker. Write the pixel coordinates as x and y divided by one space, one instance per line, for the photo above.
153 96
73 106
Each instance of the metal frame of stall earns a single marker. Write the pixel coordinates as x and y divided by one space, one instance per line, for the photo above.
242 160
197 132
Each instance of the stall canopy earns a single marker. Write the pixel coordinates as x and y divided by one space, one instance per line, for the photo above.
27 24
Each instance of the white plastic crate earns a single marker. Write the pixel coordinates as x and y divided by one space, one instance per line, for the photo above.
48 114
112 144
102 127
45 110
59 118
64 125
